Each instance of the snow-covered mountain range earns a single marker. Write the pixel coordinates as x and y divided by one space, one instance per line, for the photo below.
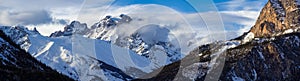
109 51
141 41
98 52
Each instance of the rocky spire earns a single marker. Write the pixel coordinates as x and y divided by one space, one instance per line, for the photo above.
277 16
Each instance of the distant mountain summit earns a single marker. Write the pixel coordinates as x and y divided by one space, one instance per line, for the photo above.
81 28
144 40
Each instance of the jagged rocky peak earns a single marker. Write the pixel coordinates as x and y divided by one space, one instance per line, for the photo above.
276 17
19 29
109 21
74 27
82 28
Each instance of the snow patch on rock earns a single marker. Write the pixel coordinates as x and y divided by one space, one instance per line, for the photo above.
288 31
248 38
236 78
195 70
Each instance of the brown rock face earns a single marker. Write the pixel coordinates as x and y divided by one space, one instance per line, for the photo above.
277 16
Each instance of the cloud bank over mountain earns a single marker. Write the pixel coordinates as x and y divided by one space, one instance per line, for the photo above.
49 16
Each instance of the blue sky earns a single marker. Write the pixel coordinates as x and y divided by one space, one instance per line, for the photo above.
180 5
184 6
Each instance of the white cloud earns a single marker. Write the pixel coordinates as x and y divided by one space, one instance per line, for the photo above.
47 29
18 5
24 17
244 12
246 19
90 11
187 27
40 19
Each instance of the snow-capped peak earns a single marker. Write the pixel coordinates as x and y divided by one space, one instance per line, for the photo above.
74 28
141 40
149 48
81 28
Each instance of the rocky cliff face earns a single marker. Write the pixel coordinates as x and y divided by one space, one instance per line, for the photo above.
274 59
277 16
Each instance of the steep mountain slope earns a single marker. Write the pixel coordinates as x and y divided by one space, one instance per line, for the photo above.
82 58
17 65
269 51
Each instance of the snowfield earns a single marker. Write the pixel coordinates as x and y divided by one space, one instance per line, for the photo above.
76 55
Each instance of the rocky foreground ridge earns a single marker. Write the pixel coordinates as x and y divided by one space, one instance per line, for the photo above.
269 51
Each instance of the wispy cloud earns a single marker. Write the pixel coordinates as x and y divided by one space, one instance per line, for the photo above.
237 5
245 13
